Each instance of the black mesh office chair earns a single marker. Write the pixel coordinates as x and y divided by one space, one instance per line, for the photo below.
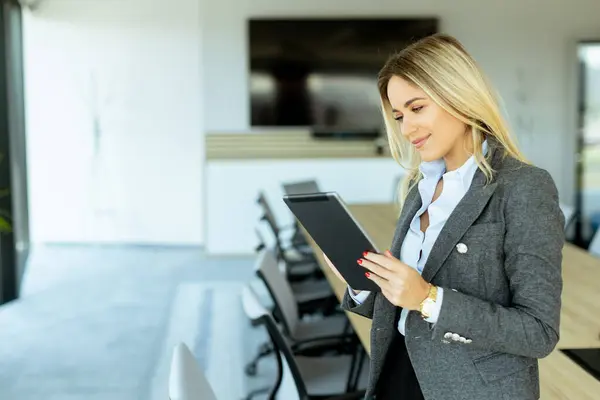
332 333
312 296
307 378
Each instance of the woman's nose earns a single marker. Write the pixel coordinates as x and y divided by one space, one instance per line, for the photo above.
407 127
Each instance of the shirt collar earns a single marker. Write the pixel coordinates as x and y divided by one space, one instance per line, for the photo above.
437 168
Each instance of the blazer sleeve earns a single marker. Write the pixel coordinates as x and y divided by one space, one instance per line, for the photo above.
533 244
365 308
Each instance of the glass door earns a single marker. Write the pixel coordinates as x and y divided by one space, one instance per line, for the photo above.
14 233
588 168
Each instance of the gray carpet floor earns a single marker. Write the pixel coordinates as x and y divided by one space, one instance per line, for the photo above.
94 322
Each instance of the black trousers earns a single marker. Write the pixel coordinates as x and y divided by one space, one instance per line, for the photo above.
398 380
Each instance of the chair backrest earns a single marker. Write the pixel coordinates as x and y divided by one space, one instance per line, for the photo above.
269 217
261 240
301 187
594 247
186 380
265 235
289 384
267 269
268 214
568 212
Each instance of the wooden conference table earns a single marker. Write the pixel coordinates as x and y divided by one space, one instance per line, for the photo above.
560 377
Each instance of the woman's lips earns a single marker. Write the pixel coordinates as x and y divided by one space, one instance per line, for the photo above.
420 142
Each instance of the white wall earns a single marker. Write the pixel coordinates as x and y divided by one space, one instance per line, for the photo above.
232 188
526 47
142 60
176 69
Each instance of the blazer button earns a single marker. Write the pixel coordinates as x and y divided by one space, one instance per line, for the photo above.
462 248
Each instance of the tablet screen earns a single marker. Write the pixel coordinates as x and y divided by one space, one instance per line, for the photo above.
328 221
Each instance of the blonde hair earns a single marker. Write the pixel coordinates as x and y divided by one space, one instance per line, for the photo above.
442 68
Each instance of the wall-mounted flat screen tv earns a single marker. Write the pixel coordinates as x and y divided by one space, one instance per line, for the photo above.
322 73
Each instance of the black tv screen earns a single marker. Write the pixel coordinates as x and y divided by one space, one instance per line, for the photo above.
322 73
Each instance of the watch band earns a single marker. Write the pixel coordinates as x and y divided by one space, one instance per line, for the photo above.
431 296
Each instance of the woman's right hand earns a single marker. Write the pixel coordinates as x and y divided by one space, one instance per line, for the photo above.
337 273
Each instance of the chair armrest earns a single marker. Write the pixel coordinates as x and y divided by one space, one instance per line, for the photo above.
324 343
358 395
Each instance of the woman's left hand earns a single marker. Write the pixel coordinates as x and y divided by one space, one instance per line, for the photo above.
402 285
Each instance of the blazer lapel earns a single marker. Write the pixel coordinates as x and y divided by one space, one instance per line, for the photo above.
463 216
410 208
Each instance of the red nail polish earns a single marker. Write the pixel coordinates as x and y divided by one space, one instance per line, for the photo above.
367 274
365 253
389 253
359 261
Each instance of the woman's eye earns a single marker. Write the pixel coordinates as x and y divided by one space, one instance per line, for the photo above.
398 117
417 109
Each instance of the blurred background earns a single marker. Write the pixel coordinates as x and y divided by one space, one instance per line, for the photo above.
138 135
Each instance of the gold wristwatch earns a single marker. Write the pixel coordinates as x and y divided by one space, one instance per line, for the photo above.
426 306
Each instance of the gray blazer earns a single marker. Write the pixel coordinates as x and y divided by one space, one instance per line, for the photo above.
503 293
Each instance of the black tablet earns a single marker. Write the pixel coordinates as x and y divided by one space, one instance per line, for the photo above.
328 221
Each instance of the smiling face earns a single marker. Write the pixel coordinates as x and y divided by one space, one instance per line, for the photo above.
433 131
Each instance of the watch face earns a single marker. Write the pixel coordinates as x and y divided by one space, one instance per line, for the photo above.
427 307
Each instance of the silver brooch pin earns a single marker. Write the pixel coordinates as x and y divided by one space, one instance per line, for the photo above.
462 248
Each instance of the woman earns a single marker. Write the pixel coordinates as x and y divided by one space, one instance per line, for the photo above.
470 291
